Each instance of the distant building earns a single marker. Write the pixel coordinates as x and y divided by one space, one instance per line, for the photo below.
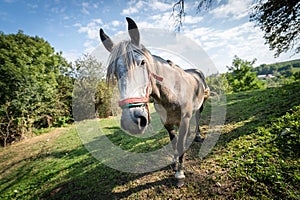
265 76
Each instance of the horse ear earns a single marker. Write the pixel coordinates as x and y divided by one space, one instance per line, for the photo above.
107 42
133 31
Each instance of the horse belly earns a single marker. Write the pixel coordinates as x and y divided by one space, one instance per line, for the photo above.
170 114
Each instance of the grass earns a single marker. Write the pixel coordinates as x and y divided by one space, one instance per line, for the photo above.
256 157
261 146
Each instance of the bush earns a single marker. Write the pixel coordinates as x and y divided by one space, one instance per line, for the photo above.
34 91
240 77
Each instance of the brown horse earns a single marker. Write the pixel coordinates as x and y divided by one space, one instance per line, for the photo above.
177 93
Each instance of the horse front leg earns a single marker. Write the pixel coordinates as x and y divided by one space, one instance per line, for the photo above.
183 131
173 138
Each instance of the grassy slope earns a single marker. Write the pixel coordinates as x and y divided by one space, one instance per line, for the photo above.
257 156
285 63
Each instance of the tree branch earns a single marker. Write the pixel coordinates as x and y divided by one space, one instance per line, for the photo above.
178 14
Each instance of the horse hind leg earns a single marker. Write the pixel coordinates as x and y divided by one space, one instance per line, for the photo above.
197 130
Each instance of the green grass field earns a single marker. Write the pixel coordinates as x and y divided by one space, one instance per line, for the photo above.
256 157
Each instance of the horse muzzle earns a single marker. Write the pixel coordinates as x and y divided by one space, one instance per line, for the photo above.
134 118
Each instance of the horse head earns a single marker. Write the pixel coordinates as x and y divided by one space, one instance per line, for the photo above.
129 63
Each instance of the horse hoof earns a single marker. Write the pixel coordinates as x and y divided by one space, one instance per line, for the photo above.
180 182
198 139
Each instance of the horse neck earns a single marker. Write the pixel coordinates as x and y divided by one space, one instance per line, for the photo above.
165 78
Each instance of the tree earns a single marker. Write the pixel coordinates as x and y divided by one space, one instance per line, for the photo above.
218 84
278 19
30 80
179 11
91 95
240 77
296 75
103 99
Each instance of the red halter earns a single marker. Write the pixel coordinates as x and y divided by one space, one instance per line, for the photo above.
140 101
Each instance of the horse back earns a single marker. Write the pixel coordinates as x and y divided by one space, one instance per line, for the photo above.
198 74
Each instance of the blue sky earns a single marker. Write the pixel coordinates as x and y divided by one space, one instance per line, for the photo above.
72 26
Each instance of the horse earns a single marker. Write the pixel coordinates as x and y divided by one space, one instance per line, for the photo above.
177 93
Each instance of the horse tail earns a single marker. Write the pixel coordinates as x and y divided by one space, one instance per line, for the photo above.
206 88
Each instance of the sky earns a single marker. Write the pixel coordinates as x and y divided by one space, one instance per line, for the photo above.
72 26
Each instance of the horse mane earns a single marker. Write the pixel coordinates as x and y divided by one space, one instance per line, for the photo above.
126 49
172 64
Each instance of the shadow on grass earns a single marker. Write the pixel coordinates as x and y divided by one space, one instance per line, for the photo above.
90 179
70 173
264 161
75 174
246 111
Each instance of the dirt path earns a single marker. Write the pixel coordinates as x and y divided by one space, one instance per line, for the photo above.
26 149
53 134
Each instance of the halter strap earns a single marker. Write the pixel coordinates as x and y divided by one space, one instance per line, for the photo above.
157 77
135 101
140 101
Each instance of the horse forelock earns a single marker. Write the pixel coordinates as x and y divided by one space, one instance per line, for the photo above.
126 50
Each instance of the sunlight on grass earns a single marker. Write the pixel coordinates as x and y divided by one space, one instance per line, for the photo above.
257 157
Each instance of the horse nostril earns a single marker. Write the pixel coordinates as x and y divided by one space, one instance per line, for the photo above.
142 121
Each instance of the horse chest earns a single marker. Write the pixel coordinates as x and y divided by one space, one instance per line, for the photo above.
170 113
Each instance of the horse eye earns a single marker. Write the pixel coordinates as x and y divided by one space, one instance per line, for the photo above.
143 62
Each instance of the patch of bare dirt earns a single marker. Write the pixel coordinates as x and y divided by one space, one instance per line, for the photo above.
25 149
205 179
